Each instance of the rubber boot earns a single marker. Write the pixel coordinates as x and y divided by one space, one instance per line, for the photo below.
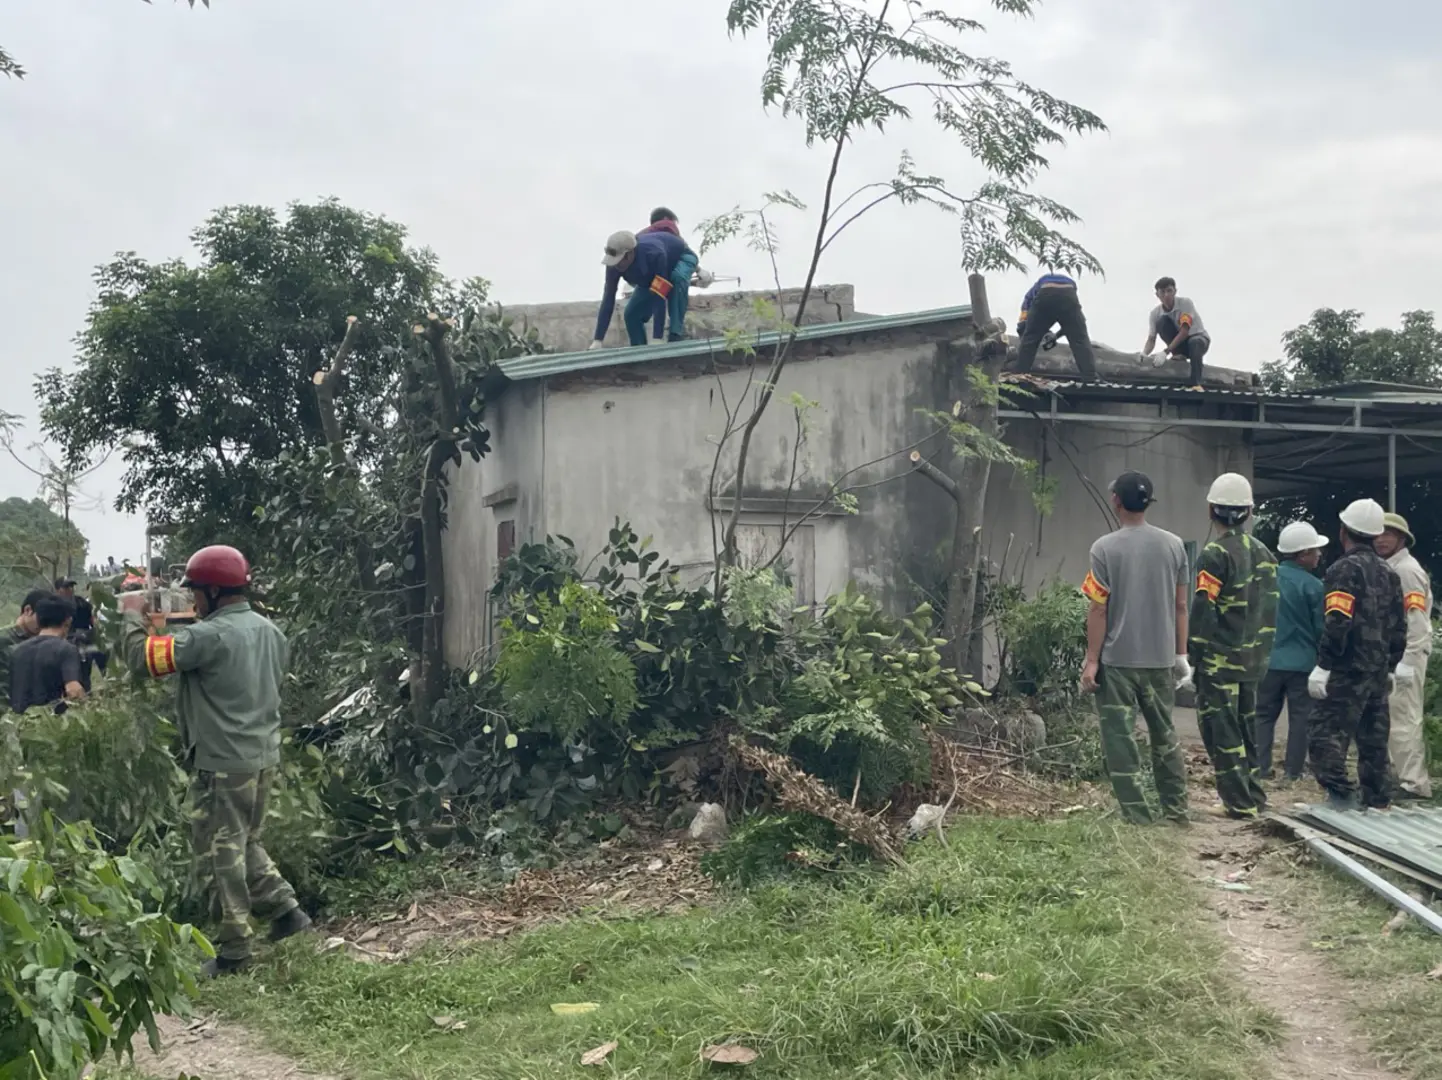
295 921
223 965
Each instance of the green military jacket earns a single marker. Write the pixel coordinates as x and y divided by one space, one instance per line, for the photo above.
9 638
230 666
1234 609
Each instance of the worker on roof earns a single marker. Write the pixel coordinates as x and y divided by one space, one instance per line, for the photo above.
1136 651
1052 300
663 220
1364 638
230 664
1181 330
646 263
1405 743
1294 650
1233 619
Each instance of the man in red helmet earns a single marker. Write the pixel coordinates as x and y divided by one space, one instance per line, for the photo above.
230 663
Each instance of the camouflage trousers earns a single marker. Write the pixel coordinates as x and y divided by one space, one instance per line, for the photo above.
1354 708
1121 694
1227 716
235 871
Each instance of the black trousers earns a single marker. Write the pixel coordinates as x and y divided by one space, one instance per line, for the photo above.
1278 688
1057 304
1194 348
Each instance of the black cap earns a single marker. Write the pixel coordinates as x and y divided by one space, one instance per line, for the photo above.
64 583
1134 489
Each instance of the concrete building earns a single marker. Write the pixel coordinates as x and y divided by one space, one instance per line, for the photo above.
582 438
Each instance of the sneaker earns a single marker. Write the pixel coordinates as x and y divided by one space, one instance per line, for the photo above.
295 921
224 965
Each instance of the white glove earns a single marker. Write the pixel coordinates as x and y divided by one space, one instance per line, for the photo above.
1182 669
595 345
1404 674
704 278
1317 683
1158 359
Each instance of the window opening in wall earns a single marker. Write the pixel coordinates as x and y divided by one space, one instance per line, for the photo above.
505 538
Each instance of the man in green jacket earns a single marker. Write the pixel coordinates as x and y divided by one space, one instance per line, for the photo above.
230 664
1294 650
1233 618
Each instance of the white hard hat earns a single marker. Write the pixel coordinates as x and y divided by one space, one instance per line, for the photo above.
1299 536
618 246
1230 489
1364 517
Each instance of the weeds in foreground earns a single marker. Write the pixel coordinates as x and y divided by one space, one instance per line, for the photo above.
1025 949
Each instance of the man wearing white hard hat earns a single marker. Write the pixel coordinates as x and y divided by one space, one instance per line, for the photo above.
1233 617
1294 649
1364 637
1405 744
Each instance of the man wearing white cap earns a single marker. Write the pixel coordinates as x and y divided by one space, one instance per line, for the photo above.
1405 745
1364 637
1294 649
645 263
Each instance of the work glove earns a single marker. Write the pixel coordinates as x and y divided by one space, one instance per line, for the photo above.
596 345
704 278
1317 683
1182 669
1403 675
1158 359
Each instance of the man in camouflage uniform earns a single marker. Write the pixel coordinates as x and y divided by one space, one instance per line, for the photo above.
1136 639
1233 619
1364 637
230 665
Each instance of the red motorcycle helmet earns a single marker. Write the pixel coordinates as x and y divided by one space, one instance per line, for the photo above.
217 566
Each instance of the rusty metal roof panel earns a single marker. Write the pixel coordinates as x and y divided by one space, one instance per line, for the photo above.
1412 835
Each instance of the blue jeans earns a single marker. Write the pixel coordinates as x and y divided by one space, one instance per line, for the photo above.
639 308
679 301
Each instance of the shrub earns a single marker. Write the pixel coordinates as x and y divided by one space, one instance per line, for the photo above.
84 966
767 846
1043 640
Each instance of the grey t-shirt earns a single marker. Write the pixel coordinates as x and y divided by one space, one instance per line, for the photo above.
1182 311
1135 571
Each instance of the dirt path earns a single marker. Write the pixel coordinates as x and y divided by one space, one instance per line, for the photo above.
205 1048
1274 956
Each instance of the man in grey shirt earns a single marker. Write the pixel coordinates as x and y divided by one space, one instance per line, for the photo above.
1181 330
1137 650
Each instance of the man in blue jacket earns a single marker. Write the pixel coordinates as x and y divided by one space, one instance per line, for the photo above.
1052 300
1294 650
646 263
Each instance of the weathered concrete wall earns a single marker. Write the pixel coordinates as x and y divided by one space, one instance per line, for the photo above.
569 326
638 442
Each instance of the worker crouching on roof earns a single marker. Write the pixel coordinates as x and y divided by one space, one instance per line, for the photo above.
1052 300
1233 619
646 263
663 220
230 664
1405 744
1364 637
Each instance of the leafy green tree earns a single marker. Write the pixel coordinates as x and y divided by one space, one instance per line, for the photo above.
201 375
1330 348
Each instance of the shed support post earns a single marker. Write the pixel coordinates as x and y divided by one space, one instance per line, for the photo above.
1392 473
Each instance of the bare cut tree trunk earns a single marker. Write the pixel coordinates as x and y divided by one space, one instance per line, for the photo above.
325 384
428 672
976 406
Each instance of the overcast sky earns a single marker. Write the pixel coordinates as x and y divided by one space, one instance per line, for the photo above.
1274 157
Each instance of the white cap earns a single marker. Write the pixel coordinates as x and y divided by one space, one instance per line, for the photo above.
1364 517
1230 489
618 246
1299 536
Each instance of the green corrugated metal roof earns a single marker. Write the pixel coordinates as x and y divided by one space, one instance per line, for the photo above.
539 367
1412 835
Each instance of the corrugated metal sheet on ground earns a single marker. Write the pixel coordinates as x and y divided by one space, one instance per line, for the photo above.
1412 835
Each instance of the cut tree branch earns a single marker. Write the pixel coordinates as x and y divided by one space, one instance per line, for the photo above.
932 473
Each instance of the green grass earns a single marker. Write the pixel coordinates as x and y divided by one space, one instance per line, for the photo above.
1025 950
1396 1005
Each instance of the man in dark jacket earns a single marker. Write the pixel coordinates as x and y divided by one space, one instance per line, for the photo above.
1294 649
1052 300
25 626
1364 638
646 263
1233 618
664 221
